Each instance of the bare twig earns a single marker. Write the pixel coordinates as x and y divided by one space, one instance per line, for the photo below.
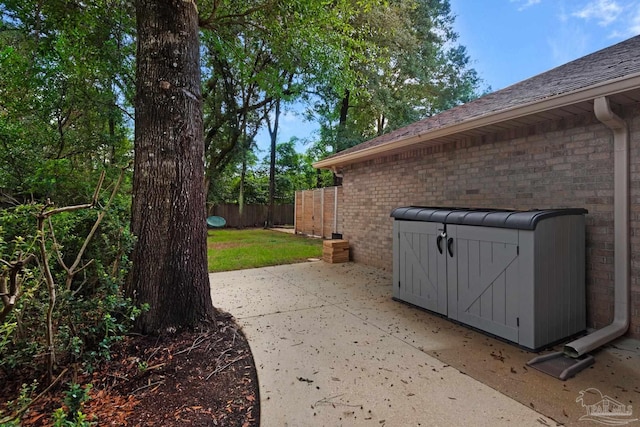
147 386
196 344
45 215
24 408
328 401
118 377
153 353
73 269
8 198
10 283
96 193
222 354
56 247
187 350
51 356
79 288
222 368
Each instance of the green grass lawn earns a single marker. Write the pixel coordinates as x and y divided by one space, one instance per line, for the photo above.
230 249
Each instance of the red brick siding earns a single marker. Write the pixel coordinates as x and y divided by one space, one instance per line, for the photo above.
553 165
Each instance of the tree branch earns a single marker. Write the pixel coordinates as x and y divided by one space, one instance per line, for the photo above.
15 415
45 215
9 294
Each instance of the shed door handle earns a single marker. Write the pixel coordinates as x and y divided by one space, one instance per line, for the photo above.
438 242
450 246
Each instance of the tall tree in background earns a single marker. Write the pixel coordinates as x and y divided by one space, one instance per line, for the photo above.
418 71
273 137
257 52
168 213
64 89
423 72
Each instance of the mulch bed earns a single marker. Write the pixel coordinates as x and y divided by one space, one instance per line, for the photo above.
205 378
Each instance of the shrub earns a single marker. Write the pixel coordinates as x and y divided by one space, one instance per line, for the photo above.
90 311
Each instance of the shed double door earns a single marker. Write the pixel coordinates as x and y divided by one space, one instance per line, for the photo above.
483 286
469 273
421 270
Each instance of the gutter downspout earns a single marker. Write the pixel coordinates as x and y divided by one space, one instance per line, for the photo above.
340 175
620 323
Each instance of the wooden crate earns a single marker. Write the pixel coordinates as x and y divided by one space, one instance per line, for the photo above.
335 251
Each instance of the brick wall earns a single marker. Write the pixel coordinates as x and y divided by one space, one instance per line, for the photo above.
567 163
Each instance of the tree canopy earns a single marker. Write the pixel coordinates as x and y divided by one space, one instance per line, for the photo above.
360 68
64 88
418 70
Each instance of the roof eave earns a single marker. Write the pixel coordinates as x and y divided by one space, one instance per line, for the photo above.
610 87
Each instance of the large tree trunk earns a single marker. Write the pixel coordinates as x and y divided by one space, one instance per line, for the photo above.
168 212
243 175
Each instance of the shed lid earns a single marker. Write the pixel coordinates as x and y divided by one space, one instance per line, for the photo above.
502 218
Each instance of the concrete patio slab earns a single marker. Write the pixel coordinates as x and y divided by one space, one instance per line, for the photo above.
333 349
322 366
253 295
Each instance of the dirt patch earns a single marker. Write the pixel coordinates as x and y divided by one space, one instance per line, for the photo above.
190 378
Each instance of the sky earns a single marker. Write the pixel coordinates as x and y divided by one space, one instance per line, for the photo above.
511 40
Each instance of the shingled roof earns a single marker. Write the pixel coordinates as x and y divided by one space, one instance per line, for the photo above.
566 90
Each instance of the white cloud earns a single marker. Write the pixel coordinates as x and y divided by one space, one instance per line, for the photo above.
624 14
525 3
605 12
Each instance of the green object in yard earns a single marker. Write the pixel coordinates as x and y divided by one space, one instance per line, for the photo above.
216 222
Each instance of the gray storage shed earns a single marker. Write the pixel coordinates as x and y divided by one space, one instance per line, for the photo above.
518 275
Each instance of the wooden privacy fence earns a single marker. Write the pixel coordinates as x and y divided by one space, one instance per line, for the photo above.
253 215
318 212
